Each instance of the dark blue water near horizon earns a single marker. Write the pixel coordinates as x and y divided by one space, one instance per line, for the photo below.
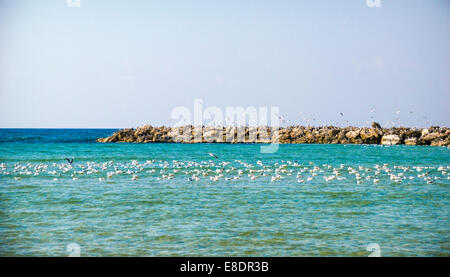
50 135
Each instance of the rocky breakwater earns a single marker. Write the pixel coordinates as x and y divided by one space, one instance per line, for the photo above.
434 136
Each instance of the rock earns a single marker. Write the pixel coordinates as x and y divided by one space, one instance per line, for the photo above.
230 134
440 142
352 134
212 135
369 136
428 138
296 133
179 134
435 136
329 135
390 140
411 133
143 130
353 137
284 136
411 141
252 135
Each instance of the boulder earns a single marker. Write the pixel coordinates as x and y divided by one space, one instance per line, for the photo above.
230 134
390 140
369 136
284 136
352 134
430 137
296 133
412 133
411 141
264 135
212 135
179 134
440 142
143 130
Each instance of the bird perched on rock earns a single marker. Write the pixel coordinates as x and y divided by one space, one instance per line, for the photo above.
376 125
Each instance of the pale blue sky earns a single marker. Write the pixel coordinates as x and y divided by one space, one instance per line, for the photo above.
125 63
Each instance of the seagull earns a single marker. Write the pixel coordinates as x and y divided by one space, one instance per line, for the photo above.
70 161
282 118
212 155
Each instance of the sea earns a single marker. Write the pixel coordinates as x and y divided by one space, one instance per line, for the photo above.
165 199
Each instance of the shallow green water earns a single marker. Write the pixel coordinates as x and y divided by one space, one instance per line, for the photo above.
170 213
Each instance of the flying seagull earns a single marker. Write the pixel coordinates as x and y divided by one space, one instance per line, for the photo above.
212 155
70 161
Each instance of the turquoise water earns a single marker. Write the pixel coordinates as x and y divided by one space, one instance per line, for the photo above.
176 200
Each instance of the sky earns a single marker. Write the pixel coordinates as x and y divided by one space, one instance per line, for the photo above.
117 64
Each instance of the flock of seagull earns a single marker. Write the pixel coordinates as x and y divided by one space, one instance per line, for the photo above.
218 170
